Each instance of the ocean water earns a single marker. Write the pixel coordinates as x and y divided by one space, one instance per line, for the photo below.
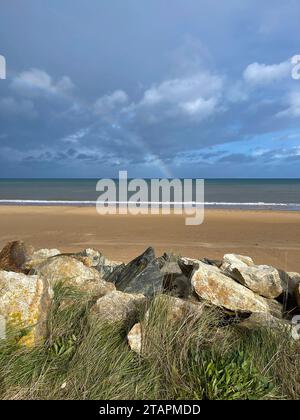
280 194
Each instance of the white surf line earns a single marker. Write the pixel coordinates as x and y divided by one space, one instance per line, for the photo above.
206 203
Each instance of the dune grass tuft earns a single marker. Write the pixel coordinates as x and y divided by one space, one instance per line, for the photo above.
194 358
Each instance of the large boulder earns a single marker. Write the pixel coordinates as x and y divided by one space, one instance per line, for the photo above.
150 275
39 257
148 282
261 279
212 285
14 255
125 276
141 275
24 303
73 272
117 306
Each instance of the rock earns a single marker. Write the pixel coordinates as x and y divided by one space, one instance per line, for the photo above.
187 265
117 306
25 302
39 257
177 309
90 257
134 338
235 259
72 271
108 269
264 320
14 255
63 268
142 275
212 285
111 272
159 275
261 279
293 281
133 269
149 282
216 263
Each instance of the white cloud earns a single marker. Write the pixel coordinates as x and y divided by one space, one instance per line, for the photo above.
258 74
75 137
109 103
196 96
199 106
36 81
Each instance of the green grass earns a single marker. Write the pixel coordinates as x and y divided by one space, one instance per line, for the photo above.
194 358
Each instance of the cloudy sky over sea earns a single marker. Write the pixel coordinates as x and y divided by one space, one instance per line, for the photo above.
160 88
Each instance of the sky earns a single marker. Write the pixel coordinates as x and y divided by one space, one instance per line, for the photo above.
160 88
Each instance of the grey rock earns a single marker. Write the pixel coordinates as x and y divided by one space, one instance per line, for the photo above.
149 281
212 285
261 279
39 257
117 306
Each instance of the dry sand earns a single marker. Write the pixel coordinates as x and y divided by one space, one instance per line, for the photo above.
269 237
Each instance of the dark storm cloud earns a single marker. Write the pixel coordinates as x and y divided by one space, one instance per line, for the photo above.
193 90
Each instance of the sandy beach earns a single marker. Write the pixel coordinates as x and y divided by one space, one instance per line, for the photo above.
269 237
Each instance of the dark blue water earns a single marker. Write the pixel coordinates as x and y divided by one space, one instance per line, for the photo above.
283 194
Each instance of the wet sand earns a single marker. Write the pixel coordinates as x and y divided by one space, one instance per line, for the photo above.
269 237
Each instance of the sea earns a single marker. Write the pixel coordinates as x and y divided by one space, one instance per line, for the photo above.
272 194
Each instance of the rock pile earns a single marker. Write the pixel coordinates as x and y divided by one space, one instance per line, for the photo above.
256 295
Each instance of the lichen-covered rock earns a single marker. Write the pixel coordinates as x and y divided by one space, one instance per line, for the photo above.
24 303
261 279
117 306
73 272
14 255
39 257
212 285
67 269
